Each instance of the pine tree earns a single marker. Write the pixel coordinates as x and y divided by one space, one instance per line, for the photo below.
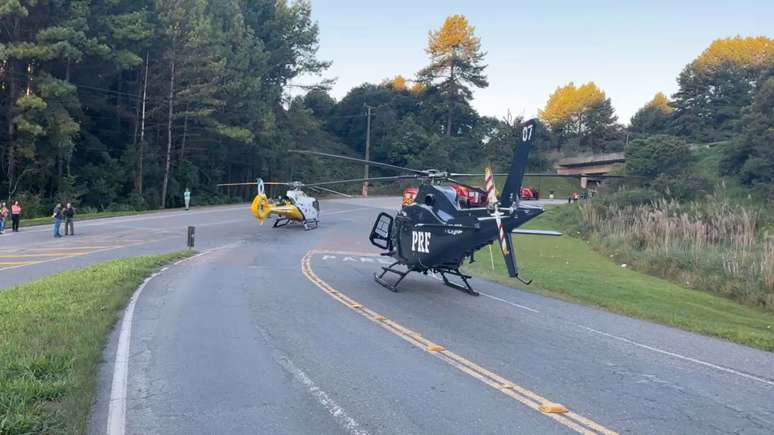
456 63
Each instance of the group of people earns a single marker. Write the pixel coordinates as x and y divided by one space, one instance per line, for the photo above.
14 213
61 215
66 214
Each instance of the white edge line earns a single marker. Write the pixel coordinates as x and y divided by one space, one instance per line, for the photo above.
509 302
650 348
678 356
116 421
342 418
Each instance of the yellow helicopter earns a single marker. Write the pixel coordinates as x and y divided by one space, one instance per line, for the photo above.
294 206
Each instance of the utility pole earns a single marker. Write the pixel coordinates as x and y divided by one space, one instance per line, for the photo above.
367 148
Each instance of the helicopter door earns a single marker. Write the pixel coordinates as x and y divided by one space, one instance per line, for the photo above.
381 233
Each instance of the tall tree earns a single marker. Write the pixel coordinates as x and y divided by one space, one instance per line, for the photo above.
717 85
456 63
582 114
653 117
750 157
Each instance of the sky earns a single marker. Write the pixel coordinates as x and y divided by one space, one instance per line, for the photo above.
630 49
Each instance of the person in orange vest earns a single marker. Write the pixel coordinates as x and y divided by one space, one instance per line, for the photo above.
16 211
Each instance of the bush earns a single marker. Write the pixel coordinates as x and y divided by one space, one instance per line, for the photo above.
658 155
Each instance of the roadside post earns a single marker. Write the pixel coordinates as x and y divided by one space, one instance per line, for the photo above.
191 236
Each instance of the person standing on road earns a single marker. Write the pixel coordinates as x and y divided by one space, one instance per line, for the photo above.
187 198
3 216
16 211
57 219
69 217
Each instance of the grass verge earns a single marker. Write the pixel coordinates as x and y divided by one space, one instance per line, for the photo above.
566 267
32 222
53 334
48 220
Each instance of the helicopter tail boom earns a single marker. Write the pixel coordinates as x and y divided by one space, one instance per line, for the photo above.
262 208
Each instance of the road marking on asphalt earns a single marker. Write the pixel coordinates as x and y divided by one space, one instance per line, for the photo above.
68 248
526 397
679 356
342 418
514 304
707 364
65 256
116 421
14 263
54 254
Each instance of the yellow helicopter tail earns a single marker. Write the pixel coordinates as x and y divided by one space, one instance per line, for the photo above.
261 207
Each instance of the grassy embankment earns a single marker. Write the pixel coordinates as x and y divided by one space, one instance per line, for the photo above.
568 268
53 332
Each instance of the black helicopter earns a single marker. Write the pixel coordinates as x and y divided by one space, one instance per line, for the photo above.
438 230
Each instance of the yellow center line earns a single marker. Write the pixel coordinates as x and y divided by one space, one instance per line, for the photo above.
69 248
57 254
523 395
15 263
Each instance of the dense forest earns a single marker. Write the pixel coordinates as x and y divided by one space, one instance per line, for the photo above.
125 103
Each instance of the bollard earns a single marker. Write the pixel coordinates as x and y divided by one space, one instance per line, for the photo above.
191 233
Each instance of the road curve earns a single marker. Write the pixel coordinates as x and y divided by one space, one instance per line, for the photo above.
285 331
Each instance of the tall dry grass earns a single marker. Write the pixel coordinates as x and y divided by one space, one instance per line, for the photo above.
708 245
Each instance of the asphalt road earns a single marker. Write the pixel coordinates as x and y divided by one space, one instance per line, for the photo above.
285 331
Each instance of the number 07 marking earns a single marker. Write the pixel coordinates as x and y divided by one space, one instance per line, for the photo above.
526 133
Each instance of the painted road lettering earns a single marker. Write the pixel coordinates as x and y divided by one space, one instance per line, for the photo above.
355 259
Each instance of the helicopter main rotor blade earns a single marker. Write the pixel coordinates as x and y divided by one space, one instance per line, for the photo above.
253 183
548 175
360 180
363 161
318 188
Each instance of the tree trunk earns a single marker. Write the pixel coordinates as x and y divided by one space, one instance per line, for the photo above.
169 132
185 135
13 89
141 151
12 96
60 168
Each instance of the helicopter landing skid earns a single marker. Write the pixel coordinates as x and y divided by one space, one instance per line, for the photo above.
391 268
464 278
281 222
464 287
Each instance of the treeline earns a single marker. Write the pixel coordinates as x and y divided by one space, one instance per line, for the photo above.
130 101
725 99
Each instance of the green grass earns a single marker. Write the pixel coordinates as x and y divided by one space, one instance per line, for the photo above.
52 335
47 220
566 267
562 187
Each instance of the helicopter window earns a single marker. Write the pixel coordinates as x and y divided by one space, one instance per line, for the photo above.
381 232
429 200
450 194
